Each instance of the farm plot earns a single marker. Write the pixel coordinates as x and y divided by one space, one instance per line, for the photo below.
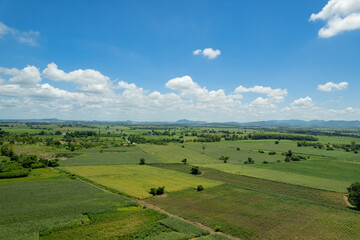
258 215
113 156
234 152
136 180
29 208
329 184
174 153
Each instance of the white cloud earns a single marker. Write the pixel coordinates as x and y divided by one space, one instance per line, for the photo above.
30 75
24 94
303 102
29 37
208 52
89 80
330 86
276 95
340 16
197 52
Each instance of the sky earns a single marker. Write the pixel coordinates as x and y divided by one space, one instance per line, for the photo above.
214 61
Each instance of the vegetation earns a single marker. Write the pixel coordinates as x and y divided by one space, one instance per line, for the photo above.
354 194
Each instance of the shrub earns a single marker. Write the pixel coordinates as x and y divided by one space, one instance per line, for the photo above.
272 153
199 188
21 172
265 162
218 228
354 194
157 191
142 161
238 149
184 161
195 171
276 142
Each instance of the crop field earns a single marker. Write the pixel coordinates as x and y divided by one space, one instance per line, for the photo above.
111 156
216 150
284 146
29 208
283 176
257 215
136 180
265 198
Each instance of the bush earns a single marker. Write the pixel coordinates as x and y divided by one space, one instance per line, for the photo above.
142 161
354 194
218 228
276 142
265 162
195 171
184 161
157 191
199 188
272 153
21 172
238 149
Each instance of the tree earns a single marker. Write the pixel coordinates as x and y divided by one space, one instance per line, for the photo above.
184 161
276 142
142 161
354 194
199 188
195 171
203 148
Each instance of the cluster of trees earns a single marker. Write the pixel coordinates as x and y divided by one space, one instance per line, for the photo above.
257 136
157 191
354 194
224 158
249 161
292 157
20 165
207 138
353 147
195 171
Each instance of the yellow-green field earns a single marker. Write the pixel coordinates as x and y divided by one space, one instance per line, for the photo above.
281 176
136 180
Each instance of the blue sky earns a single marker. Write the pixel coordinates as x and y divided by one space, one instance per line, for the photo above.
119 60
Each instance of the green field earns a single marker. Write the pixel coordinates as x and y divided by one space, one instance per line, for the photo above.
31 207
136 180
258 209
110 156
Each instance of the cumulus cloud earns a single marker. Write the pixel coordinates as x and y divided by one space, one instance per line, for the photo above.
276 95
26 37
208 52
23 93
303 102
330 86
89 80
340 16
30 75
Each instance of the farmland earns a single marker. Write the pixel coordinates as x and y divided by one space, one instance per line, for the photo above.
105 181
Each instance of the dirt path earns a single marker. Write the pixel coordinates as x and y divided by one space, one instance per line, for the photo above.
156 208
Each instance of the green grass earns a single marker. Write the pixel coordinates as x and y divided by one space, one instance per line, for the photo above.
184 227
129 223
136 180
216 150
281 176
214 237
111 156
311 195
260 215
35 175
174 153
31 207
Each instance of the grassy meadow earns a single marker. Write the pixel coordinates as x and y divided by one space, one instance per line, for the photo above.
136 180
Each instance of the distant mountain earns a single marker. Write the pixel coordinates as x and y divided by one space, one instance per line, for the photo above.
189 122
301 123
